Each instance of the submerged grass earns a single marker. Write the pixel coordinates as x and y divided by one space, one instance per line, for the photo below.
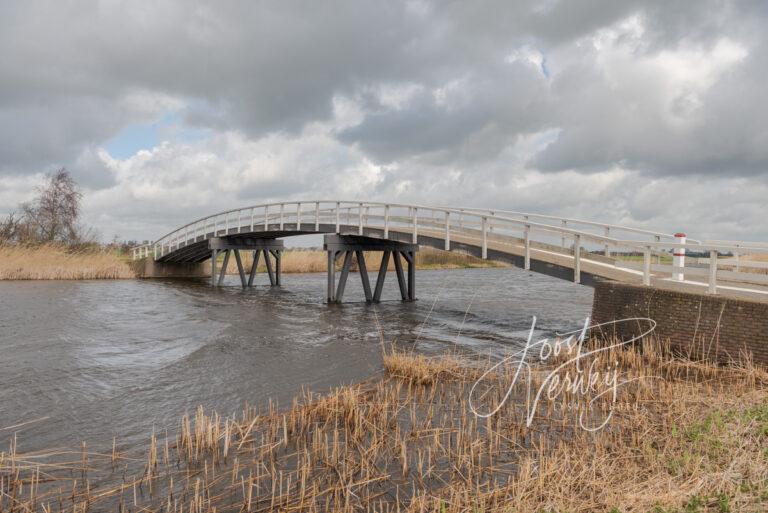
685 436
54 262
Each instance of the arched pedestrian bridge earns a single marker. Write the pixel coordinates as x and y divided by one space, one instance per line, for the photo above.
572 249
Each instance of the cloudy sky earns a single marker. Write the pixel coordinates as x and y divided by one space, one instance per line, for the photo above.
646 113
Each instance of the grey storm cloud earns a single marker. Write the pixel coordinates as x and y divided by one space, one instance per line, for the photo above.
264 66
441 97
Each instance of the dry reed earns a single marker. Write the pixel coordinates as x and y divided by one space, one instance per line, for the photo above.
53 262
686 436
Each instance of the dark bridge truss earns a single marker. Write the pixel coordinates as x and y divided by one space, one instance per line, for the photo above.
271 249
347 246
340 248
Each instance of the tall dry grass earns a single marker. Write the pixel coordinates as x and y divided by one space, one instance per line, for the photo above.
757 257
686 436
53 262
315 261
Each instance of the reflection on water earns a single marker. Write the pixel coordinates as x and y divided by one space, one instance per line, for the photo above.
90 360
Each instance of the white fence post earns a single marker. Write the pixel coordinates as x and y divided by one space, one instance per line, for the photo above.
253 214
266 218
338 214
447 231
562 239
577 259
647 266
527 236
298 216
317 216
415 230
386 221
484 252
713 272
678 258
607 246
282 211
360 219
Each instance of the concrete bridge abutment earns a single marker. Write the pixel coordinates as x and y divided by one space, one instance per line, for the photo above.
150 268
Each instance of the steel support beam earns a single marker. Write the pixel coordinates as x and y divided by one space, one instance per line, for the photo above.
410 256
364 275
382 274
224 267
400 275
332 256
270 272
240 269
230 245
355 246
254 265
278 256
343 276
214 257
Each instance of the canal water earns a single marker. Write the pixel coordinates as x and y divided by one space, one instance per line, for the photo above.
89 360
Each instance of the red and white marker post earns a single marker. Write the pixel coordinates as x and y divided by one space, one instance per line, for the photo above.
678 258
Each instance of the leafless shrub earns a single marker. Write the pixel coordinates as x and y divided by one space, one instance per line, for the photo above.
9 228
53 215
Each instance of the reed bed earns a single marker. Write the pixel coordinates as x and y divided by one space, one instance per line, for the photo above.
315 261
685 436
54 262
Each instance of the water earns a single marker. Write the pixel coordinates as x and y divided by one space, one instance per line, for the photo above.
89 360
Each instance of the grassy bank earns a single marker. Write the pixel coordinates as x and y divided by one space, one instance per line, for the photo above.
684 437
315 261
52 262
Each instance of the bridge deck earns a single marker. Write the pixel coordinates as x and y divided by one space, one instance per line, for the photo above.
502 236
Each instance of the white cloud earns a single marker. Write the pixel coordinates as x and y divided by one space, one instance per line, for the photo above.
611 111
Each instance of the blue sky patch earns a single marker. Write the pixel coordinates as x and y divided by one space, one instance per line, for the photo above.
145 136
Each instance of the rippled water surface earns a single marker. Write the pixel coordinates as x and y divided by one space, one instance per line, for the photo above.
89 360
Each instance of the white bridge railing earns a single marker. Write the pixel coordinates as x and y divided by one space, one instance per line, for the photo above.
598 243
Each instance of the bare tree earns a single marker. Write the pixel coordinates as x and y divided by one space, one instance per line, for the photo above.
54 214
9 228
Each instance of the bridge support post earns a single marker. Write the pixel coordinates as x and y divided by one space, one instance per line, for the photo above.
214 257
271 249
350 246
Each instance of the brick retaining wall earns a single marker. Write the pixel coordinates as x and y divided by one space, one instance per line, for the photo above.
698 324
